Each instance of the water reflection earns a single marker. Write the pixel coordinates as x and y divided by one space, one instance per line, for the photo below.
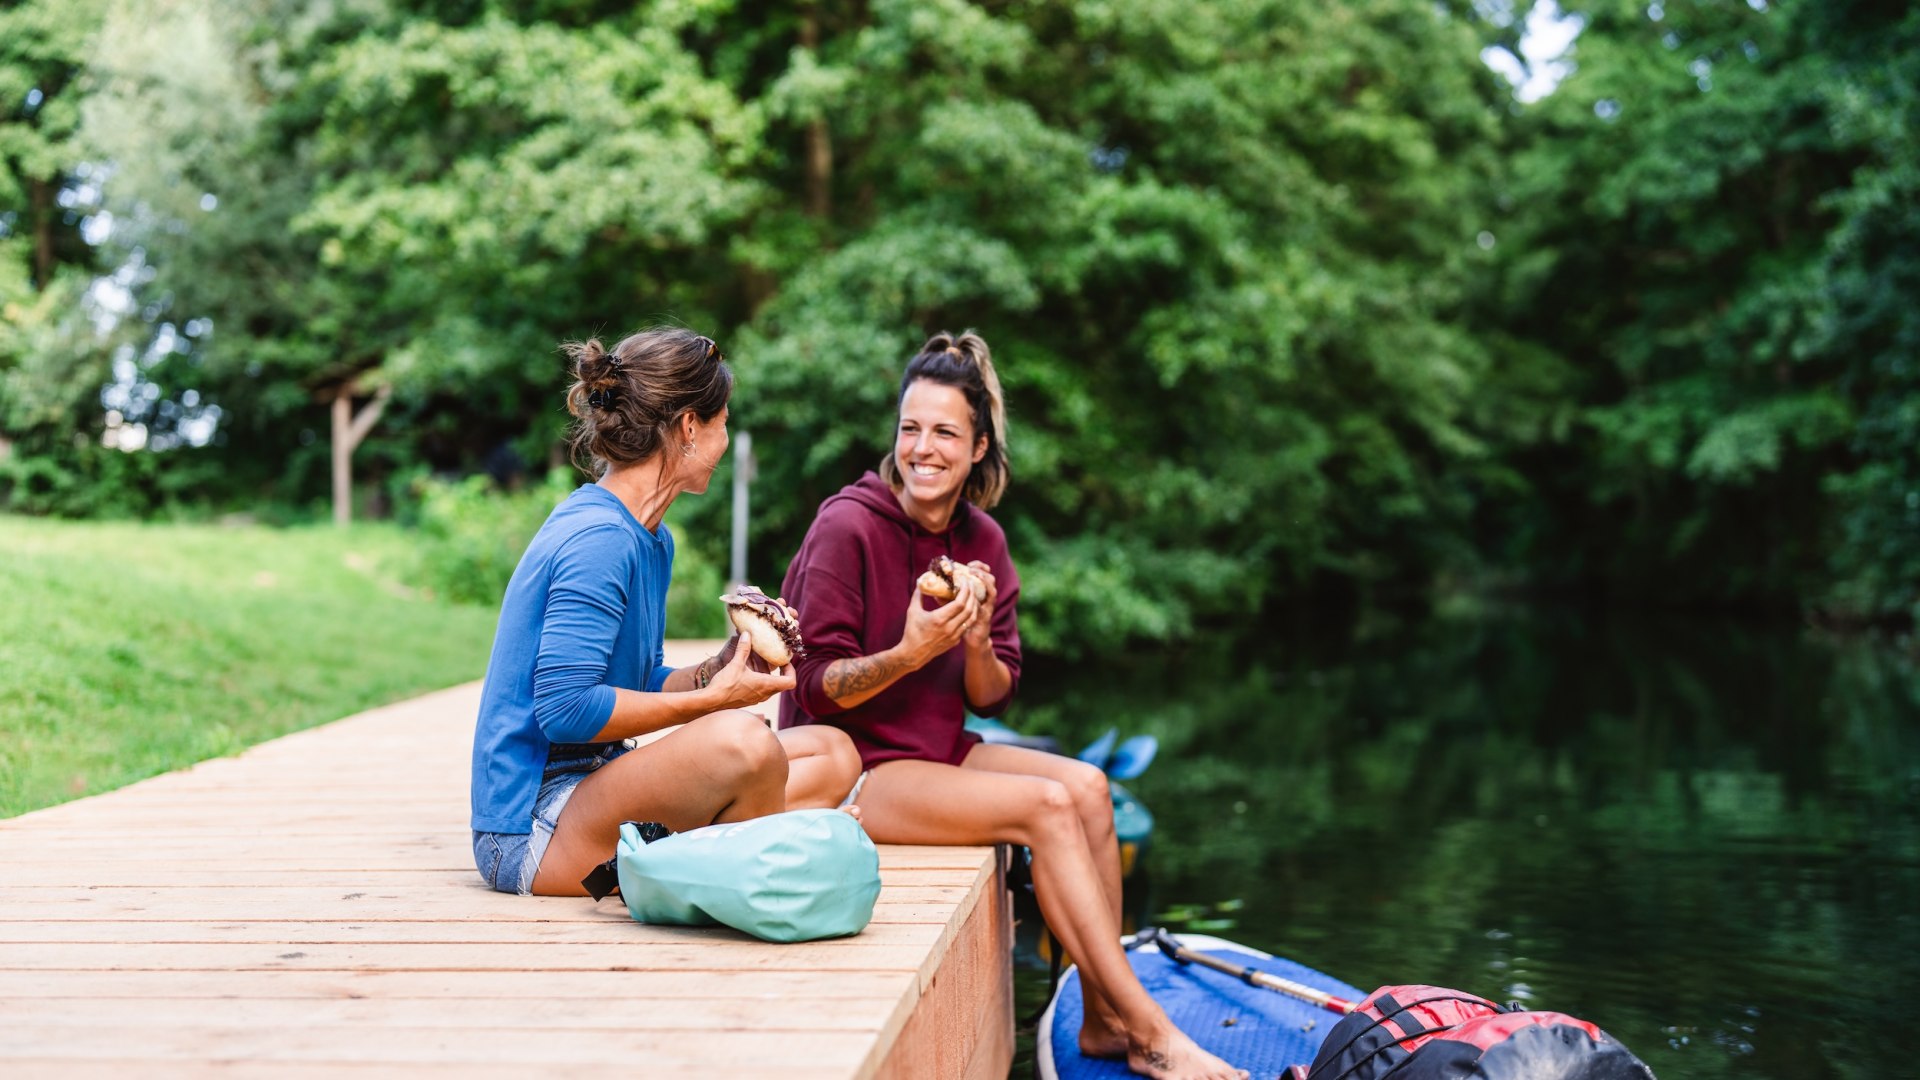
1701 836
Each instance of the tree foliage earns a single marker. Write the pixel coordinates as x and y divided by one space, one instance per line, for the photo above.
46 187
1221 255
1716 220
1292 301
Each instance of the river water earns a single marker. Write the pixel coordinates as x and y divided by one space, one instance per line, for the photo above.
1702 836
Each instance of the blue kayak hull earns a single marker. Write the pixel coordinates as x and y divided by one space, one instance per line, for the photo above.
1251 1028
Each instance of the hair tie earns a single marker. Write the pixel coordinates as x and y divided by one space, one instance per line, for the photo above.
613 360
600 399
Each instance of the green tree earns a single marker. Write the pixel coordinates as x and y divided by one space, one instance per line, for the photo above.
1228 257
1713 223
1224 255
51 368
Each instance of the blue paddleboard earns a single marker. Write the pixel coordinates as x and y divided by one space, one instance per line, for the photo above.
1259 1030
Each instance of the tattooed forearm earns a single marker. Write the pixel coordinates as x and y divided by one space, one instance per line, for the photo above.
860 675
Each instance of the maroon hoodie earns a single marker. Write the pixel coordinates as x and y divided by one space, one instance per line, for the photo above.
851 582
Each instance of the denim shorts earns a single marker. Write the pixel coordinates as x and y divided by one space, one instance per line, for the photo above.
510 861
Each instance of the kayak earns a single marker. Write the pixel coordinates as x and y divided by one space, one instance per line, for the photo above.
1249 1027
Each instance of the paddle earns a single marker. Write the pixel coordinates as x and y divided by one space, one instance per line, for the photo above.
1170 946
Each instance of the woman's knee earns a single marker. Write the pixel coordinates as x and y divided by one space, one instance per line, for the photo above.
841 751
1053 810
1092 795
828 765
742 740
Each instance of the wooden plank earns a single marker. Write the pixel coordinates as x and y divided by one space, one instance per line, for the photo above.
22 878
658 1014
608 913
338 870
344 826
116 1068
62 861
317 793
904 857
508 956
23 881
270 903
769 988
631 1043
922 935
435 856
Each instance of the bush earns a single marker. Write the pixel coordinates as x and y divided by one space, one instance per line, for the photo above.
472 533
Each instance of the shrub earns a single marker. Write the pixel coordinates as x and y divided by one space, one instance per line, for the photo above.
472 533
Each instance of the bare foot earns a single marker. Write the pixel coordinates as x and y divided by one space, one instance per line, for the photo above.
1173 1056
1102 1035
1102 1040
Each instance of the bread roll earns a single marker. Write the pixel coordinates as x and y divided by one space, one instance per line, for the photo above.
769 626
944 577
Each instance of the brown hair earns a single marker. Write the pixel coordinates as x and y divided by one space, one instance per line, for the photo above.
965 364
625 400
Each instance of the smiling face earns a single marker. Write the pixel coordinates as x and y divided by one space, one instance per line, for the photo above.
934 448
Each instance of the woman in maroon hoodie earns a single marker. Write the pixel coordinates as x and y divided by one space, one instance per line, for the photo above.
898 672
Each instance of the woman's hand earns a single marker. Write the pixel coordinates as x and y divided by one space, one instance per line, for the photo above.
855 680
736 684
932 633
719 659
979 632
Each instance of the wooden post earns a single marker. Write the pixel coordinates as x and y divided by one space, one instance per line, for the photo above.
348 430
742 479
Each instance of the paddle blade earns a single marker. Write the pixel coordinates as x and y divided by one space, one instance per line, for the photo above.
1100 749
1133 757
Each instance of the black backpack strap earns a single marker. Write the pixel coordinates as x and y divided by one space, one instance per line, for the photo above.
604 880
650 831
1403 1017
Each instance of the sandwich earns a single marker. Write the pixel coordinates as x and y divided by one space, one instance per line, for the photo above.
945 578
768 625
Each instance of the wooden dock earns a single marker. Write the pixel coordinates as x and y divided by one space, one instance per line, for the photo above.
311 907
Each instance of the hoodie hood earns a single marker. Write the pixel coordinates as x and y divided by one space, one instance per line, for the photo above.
872 493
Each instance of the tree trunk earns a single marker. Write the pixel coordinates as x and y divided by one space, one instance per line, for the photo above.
41 196
819 164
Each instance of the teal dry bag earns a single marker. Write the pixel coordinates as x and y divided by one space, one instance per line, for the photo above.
795 876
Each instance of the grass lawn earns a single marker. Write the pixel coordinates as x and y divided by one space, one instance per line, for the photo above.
127 650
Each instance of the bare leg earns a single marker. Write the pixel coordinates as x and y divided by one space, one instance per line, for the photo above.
822 765
725 766
921 802
1101 1032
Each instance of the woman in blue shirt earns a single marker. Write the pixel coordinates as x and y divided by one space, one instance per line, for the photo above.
577 664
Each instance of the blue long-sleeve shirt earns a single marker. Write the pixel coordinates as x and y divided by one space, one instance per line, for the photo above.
584 613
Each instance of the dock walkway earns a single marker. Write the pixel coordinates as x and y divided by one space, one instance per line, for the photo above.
311 907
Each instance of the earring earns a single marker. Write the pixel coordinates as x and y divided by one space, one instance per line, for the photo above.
686 449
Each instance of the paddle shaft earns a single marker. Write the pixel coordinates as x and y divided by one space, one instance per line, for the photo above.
1171 946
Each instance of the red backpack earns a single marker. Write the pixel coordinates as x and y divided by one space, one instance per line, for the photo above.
1433 1033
